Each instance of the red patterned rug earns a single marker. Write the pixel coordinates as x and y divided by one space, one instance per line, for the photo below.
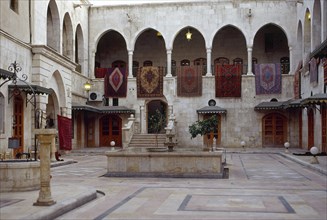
65 133
228 80
100 72
115 83
268 79
189 81
150 82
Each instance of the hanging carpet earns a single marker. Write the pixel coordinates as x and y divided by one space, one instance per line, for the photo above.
268 79
150 82
228 80
65 133
313 66
189 81
115 83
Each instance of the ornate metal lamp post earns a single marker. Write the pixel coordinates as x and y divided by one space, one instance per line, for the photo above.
14 68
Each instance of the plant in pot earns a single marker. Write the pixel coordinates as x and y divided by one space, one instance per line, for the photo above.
205 127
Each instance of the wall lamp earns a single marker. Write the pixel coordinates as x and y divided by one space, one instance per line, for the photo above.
188 35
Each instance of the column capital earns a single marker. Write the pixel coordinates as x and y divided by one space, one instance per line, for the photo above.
209 50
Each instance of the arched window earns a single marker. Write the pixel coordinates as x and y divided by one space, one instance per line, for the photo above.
221 60
185 62
53 26
118 63
284 65
238 61
2 114
147 63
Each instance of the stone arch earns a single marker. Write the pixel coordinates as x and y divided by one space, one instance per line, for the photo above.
53 26
146 43
270 43
79 49
151 107
67 37
307 36
110 47
58 87
188 49
299 39
139 33
232 37
316 24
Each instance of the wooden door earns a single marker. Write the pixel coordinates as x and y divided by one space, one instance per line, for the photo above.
18 123
90 128
274 130
311 137
110 130
323 127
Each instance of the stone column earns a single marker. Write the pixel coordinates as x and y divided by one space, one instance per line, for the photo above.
291 60
250 61
130 64
209 73
170 110
169 63
142 119
45 137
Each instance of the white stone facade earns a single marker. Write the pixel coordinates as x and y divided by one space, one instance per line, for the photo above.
57 45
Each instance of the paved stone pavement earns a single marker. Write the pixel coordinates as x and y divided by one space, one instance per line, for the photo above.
262 184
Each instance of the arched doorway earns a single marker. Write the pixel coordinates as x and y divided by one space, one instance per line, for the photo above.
155 107
110 130
274 130
311 130
209 141
18 123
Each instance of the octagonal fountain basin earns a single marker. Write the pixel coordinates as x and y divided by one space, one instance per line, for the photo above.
141 162
19 175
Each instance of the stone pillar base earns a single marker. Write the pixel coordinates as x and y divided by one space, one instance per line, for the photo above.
39 203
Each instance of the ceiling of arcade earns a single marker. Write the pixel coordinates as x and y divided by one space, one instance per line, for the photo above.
270 44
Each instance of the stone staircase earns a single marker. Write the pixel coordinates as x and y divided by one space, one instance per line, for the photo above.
147 140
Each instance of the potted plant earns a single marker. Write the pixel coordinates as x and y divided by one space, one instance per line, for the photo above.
157 123
205 127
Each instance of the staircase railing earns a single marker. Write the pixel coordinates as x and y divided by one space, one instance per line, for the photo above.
128 131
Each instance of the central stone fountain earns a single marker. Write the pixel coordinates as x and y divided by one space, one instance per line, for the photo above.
139 162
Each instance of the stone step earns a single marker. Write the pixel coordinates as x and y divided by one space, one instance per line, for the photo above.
147 140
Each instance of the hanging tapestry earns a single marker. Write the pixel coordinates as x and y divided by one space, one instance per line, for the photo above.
64 133
150 82
268 79
115 83
325 70
189 81
228 80
100 72
297 81
313 69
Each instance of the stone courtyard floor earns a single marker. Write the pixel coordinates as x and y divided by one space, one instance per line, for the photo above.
262 184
